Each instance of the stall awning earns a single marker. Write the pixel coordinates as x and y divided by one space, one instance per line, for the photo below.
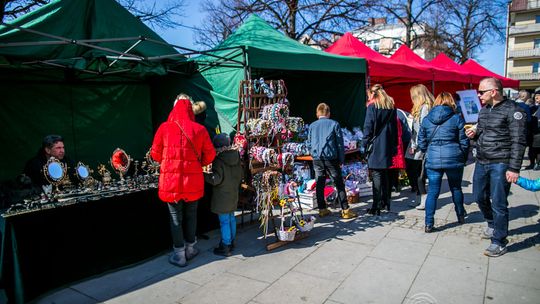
478 70
381 68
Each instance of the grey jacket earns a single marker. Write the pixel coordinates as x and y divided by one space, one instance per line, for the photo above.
417 155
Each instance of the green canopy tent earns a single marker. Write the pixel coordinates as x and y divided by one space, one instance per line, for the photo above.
256 50
85 70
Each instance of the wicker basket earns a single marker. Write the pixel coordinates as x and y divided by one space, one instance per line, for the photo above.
287 236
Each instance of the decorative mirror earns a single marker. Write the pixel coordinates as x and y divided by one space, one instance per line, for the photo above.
83 171
120 161
54 171
152 166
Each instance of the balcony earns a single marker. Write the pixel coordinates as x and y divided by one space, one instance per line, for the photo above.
521 5
525 29
524 76
524 53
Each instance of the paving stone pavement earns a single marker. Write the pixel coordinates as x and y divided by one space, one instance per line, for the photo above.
380 259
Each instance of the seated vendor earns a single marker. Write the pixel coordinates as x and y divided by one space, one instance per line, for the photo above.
52 146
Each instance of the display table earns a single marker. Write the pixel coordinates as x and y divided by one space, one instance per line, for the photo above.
46 249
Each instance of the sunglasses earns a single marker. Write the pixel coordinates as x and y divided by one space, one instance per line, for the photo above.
484 91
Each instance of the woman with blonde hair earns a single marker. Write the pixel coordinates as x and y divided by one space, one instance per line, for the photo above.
443 139
422 102
381 143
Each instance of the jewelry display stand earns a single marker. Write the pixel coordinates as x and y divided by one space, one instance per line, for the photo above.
254 95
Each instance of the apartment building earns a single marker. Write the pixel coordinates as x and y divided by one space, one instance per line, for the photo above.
386 38
523 43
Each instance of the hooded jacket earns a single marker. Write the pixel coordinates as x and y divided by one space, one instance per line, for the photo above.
226 177
449 146
181 176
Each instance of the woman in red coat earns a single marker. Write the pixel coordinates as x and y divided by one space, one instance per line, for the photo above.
182 147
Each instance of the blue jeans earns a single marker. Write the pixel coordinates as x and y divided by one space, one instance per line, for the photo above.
490 191
227 221
183 220
455 176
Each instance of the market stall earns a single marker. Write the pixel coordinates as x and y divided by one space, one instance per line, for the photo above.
257 50
84 70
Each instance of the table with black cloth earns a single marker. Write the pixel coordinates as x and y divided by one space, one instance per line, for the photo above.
46 249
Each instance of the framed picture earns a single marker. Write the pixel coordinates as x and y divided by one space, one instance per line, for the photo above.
470 105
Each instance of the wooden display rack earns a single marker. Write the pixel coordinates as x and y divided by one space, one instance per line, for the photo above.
251 101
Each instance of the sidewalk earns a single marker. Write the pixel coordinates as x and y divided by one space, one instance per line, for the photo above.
385 259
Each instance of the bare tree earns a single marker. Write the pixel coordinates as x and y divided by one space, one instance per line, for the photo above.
467 26
157 14
412 14
315 19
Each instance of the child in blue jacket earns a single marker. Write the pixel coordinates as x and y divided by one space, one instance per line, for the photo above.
528 184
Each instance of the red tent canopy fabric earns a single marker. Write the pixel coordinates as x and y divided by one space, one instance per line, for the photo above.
380 68
405 55
444 62
475 68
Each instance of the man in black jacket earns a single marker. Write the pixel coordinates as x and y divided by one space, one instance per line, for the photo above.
501 142
52 146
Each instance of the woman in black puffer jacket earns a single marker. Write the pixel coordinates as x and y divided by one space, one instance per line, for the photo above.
443 139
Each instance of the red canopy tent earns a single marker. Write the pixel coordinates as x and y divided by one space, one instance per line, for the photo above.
405 55
396 77
380 69
475 68
444 62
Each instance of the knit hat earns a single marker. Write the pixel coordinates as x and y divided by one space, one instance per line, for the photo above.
221 140
198 107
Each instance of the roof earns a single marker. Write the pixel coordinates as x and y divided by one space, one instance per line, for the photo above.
406 56
476 69
86 35
379 66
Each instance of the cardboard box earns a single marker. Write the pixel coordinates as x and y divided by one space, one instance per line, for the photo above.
365 189
308 200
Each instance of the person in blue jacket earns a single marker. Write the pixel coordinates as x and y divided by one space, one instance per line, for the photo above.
325 141
442 137
528 184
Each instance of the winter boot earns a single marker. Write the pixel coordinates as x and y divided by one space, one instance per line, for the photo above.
348 214
422 204
223 250
178 257
191 251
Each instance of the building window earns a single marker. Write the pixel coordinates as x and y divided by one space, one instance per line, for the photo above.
537 18
374 44
397 43
536 66
537 43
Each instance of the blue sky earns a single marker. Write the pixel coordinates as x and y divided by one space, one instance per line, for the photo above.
492 58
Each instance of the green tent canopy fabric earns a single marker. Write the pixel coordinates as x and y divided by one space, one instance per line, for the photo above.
266 52
95 113
64 33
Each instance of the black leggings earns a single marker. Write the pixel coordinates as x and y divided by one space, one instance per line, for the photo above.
414 172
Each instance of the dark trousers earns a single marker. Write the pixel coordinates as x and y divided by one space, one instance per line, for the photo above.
332 168
183 218
381 187
417 176
490 190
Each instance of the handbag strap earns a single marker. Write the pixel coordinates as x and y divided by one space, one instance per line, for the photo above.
189 140
380 130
